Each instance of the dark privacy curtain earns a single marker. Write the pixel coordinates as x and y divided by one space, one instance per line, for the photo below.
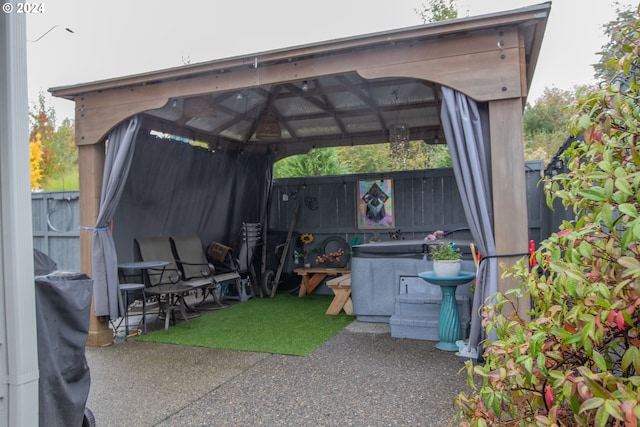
120 148
466 130
177 189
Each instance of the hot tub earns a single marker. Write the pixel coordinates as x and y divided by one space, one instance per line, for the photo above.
377 269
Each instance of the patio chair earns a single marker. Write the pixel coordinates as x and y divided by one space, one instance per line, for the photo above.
250 240
167 282
239 260
192 262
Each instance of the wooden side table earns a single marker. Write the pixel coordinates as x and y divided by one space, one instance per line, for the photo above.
312 277
341 287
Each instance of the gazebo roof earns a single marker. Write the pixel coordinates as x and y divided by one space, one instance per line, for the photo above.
349 91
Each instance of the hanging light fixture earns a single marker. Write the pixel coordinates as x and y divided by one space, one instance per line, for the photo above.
399 132
268 127
399 142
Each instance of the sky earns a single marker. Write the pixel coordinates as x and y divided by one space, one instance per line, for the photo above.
121 37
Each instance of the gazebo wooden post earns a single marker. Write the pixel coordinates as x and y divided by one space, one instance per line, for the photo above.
510 215
91 164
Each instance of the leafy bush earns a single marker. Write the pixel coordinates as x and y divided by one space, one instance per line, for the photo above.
576 360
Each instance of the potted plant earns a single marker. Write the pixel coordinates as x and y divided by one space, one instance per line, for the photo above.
446 256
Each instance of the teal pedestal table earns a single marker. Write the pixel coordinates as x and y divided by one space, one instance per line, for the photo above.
449 320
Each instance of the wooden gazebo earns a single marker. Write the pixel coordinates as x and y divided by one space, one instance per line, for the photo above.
358 90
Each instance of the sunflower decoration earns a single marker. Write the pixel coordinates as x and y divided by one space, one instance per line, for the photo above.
306 238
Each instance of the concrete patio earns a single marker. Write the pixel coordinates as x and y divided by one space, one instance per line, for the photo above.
361 377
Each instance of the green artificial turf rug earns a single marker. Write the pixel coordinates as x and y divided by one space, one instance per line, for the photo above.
285 324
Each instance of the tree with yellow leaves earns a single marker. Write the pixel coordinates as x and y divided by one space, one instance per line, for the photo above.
35 159
58 155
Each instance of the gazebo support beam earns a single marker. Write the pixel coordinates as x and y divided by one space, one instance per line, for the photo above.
91 164
93 124
484 66
511 230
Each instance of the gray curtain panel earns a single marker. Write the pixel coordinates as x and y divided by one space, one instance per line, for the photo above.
466 128
120 148
175 189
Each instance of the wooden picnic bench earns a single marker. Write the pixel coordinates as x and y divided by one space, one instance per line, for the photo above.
341 287
312 277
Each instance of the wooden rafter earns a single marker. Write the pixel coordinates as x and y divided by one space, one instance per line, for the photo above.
365 98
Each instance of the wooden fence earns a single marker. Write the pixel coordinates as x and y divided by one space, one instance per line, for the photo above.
56 227
424 201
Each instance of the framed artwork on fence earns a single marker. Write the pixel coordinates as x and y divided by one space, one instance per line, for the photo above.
375 204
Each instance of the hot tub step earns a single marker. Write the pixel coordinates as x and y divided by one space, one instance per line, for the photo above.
419 328
416 328
418 299
423 305
425 310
